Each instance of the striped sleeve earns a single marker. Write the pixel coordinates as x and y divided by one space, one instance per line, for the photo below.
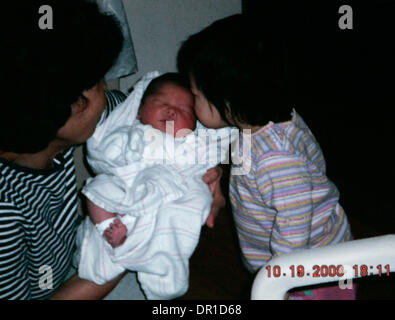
14 278
285 185
114 98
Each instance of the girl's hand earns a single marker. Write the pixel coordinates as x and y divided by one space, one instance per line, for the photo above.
213 179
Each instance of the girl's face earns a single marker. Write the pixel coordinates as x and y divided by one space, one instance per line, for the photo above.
207 113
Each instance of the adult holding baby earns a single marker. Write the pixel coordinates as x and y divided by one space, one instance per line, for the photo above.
147 202
54 97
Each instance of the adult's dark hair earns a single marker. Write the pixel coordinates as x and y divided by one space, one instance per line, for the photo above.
158 82
234 63
46 71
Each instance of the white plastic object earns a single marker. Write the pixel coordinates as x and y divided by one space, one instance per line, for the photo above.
279 275
126 63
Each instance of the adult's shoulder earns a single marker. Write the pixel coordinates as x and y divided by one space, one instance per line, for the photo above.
114 98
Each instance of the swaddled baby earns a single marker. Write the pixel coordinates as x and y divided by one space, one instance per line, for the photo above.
148 201
167 105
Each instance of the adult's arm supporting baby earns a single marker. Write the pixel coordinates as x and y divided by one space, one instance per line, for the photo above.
80 289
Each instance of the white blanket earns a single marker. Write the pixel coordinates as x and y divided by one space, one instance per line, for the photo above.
155 180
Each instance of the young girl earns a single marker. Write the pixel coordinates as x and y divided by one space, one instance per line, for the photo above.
284 201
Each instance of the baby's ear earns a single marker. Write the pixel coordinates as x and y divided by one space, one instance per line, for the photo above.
138 117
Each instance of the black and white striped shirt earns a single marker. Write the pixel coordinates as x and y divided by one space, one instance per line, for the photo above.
38 221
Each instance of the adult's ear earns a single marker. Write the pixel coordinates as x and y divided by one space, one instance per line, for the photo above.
79 106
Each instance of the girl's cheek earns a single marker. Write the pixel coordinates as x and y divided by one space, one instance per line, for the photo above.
199 114
196 109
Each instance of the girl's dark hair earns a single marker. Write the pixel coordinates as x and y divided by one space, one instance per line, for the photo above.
157 83
46 70
235 64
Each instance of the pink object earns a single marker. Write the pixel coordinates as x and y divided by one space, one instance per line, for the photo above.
333 292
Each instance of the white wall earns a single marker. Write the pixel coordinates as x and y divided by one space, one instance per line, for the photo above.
158 28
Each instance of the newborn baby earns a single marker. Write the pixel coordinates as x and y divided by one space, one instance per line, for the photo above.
148 202
167 99
167 105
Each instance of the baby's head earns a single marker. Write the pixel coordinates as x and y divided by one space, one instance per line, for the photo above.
168 99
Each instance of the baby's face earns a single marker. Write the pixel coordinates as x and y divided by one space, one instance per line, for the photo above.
172 104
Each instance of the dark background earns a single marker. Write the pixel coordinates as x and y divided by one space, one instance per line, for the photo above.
342 82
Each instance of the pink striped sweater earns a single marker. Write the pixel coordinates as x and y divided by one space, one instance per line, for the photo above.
285 201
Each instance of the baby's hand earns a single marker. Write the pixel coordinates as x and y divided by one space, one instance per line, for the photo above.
116 233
